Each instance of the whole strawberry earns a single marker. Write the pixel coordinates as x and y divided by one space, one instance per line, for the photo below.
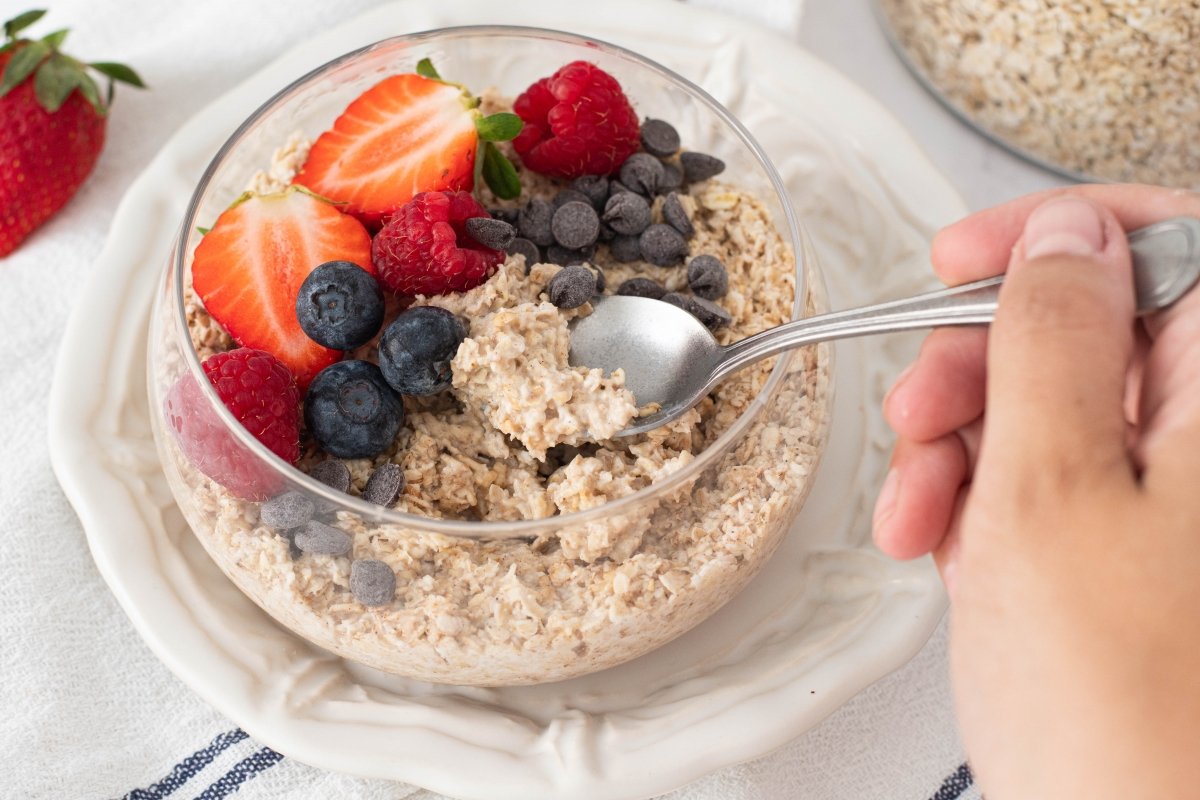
52 123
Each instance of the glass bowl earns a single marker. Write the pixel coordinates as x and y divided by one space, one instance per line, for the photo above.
690 516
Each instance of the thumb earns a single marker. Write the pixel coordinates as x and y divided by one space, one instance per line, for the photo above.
1059 350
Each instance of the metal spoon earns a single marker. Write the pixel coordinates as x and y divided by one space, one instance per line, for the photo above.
670 358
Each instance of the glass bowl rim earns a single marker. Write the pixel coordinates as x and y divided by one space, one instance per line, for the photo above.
486 529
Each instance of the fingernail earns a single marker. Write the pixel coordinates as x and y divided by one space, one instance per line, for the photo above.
885 504
900 379
1065 226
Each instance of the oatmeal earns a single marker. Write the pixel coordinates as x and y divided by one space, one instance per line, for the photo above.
520 435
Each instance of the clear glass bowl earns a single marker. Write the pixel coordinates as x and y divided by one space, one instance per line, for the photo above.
508 602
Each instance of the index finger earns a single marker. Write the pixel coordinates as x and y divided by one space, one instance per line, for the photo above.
980 245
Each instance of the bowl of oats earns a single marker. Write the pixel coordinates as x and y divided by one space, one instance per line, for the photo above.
358 363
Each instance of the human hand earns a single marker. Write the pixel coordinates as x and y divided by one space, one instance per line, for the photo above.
1048 464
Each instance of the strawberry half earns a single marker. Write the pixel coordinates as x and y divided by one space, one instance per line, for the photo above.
405 135
248 269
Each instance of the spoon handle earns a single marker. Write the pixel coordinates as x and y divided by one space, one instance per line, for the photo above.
1166 263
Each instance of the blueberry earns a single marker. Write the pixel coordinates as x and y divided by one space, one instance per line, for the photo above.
642 287
565 256
569 196
372 582
494 233
385 483
287 510
708 312
594 187
340 305
663 245
625 248
571 287
659 138
351 411
707 277
319 539
642 173
700 166
417 348
534 222
526 248
672 178
332 473
675 216
627 213
575 225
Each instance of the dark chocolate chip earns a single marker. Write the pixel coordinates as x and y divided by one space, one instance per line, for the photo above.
672 178
572 286
569 196
711 315
700 166
372 582
534 222
675 216
707 277
627 213
642 287
625 248
565 256
601 281
287 510
615 187
642 173
524 247
332 473
594 187
509 215
663 245
319 539
385 483
494 233
575 224
659 138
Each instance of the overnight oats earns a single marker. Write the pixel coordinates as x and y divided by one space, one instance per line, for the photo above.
369 417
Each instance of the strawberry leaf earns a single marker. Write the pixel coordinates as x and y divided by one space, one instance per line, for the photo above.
426 69
22 65
56 39
54 81
500 127
22 21
91 93
118 72
500 174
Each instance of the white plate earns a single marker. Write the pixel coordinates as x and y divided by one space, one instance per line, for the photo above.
827 616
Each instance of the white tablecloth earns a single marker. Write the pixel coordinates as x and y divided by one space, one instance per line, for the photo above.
87 710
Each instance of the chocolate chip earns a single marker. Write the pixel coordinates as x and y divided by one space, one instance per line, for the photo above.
319 539
642 173
700 166
627 213
642 287
601 281
372 582
707 277
534 222
571 287
569 196
659 138
332 473
575 225
711 315
509 215
625 248
385 483
524 247
672 178
606 233
565 256
594 187
494 233
663 245
287 510
675 215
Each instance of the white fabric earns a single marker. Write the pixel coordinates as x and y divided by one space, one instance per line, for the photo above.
87 709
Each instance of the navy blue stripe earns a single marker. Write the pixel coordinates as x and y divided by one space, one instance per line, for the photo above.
182 772
242 771
953 787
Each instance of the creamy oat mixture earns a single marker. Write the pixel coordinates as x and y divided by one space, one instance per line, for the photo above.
523 436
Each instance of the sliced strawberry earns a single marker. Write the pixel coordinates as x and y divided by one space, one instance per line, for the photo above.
405 135
248 269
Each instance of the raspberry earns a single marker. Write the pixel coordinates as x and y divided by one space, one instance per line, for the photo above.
577 122
262 395
425 249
